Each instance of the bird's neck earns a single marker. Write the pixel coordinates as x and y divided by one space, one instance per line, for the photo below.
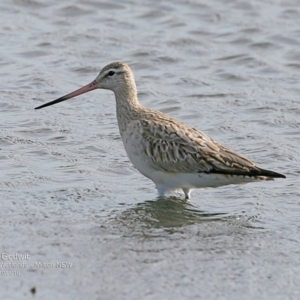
126 98
127 106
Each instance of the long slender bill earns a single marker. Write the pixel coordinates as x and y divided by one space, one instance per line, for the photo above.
87 88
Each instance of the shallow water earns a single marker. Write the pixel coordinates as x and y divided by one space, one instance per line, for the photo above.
69 192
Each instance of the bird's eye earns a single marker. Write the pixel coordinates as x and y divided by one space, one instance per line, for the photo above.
111 73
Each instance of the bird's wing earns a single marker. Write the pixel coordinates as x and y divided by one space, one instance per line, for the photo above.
173 146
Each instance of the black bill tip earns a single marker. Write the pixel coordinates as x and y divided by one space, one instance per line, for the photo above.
51 103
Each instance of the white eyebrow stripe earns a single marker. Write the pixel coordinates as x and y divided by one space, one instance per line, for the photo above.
114 70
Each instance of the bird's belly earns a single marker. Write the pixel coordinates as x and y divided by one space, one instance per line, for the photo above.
198 180
136 152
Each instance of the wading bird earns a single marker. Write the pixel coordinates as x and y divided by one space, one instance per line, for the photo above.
171 153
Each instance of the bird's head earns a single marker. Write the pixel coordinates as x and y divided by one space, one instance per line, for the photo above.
115 77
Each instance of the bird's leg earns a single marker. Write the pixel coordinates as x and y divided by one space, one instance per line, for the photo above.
162 190
187 193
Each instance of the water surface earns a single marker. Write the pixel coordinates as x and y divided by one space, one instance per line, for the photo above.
68 190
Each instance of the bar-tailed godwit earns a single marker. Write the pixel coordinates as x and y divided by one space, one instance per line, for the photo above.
171 153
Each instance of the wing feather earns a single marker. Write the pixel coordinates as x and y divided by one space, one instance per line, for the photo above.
173 146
